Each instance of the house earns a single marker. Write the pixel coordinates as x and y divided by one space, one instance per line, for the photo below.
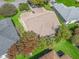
8 35
41 21
68 14
54 55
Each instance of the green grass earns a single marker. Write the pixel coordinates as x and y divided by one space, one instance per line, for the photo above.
67 48
1 17
68 2
17 23
21 56
16 20
41 47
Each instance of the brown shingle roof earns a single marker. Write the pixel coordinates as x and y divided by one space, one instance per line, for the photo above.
66 57
50 55
53 55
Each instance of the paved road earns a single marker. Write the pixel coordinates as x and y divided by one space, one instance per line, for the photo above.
16 2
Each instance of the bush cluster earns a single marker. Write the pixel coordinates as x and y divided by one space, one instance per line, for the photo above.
8 10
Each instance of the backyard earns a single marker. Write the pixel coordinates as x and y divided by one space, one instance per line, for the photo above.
68 48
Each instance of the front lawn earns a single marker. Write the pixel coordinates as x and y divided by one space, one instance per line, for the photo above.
67 48
68 2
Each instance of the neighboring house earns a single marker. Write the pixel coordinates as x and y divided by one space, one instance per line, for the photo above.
8 35
50 55
54 55
69 14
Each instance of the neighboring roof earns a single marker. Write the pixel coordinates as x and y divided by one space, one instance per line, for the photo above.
53 55
50 55
66 57
68 13
8 35
42 22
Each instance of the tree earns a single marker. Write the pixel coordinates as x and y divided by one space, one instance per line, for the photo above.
63 33
72 26
24 46
37 2
28 42
46 42
24 6
12 52
8 10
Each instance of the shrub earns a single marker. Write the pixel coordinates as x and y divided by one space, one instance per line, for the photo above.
72 26
38 2
8 10
24 6
63 33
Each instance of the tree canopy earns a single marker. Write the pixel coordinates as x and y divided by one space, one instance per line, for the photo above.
25 45
38 2
24 6
63 33
8 10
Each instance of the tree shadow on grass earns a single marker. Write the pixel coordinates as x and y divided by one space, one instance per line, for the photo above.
37 56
